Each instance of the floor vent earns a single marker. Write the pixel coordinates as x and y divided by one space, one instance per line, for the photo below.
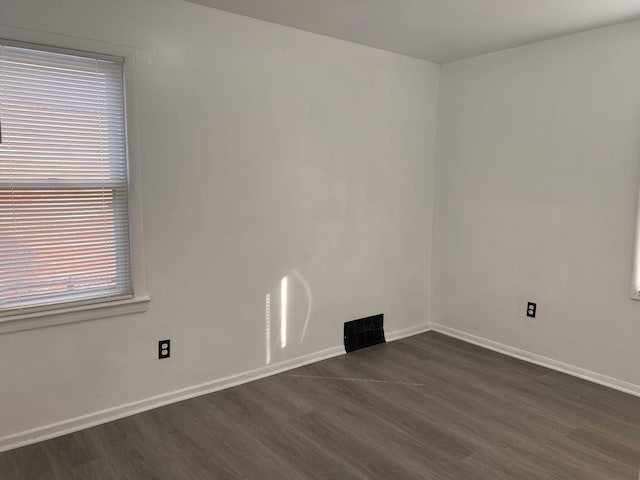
364 332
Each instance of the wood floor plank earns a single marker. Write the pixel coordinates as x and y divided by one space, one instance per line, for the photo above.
428 407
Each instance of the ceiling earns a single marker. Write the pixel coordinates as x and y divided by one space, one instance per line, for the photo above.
437 30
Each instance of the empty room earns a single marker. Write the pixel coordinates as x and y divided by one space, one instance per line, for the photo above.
319 239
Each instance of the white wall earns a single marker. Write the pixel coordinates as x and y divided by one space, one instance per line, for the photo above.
264 151
537 183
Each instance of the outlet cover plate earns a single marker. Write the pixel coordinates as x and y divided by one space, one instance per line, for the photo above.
531 309
164 349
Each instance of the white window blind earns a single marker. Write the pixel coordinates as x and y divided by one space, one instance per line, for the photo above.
64 233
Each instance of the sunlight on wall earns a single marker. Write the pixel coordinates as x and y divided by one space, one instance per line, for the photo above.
291 329
307 290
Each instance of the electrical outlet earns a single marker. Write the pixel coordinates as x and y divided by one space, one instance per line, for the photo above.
531 309
164 349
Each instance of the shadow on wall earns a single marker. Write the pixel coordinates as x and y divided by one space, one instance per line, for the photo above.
292 299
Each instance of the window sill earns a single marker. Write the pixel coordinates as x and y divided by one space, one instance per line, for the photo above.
81 313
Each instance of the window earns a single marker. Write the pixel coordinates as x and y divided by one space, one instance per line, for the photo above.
635 286
64 228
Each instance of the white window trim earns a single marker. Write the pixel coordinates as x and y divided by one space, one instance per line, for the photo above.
635 285
100 308
77 313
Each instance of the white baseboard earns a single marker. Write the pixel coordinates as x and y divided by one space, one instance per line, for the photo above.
407 332
65 427
594 377
97 418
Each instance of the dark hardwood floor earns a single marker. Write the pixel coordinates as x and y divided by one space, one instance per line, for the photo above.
426 407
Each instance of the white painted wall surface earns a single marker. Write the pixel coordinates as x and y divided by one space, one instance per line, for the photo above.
537 186
265 152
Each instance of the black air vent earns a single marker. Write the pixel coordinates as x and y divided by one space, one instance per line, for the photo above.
364 332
